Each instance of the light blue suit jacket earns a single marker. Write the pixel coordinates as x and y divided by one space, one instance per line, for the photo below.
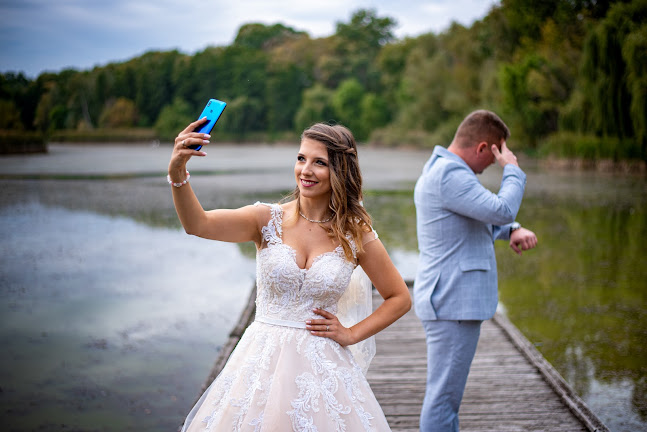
457 221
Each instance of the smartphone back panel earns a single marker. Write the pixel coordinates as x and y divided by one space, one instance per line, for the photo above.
212 112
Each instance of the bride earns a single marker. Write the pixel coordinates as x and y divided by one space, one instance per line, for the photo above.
300 365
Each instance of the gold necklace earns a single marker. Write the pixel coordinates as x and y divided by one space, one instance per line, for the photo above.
314 221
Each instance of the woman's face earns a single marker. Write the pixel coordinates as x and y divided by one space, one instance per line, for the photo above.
311 170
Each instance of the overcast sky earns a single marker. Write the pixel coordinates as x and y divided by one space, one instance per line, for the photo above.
50 35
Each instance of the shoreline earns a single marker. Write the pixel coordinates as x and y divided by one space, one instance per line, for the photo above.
142 149
599 165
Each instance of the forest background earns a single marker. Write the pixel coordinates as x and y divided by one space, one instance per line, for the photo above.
568 76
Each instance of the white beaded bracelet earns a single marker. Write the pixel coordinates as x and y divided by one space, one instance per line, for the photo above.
182 183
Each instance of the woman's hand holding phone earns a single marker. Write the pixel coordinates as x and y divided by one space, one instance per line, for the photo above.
189 142
181 150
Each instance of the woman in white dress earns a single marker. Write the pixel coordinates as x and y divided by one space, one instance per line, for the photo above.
300 365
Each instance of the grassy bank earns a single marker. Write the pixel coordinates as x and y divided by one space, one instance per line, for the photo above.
18 142
571 150
125 135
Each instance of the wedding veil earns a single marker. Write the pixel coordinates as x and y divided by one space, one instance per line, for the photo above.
354 305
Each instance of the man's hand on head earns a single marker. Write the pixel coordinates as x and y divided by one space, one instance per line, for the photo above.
505 156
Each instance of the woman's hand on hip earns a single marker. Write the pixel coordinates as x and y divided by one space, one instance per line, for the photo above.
330 328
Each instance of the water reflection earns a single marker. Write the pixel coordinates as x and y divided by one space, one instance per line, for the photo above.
108 324
581 298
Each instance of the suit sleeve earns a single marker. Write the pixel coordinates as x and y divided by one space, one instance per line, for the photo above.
501 232
462 193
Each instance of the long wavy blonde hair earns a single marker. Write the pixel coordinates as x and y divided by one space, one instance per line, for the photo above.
349 216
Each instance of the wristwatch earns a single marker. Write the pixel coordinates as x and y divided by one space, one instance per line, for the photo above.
514 226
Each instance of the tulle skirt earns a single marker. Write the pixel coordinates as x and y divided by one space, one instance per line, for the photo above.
285 379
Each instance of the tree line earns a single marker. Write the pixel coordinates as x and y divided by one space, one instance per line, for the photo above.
568 76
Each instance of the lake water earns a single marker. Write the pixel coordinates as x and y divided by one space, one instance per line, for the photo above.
111 316
107 321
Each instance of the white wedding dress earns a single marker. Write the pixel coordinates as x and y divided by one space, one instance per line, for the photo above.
280 377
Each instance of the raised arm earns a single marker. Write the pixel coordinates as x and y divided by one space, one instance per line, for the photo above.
239 225
462 193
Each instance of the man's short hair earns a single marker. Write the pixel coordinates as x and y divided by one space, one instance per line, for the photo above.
479 126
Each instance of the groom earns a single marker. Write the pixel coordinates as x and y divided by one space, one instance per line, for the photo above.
456 282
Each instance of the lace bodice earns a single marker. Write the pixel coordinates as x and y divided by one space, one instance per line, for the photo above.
287 292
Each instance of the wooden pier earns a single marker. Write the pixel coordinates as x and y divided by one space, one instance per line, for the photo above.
511 387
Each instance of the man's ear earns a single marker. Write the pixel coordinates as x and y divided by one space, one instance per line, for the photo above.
481 147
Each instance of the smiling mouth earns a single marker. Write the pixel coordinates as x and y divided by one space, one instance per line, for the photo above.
308 183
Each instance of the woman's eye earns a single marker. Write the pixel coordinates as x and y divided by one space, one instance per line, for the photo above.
322 163
300 158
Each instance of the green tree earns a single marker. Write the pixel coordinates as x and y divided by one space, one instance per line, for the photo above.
41 117
426 84
315 107
24 94
123 80
290 70
243 83
59 118
9 115
520 100
541 69
359 42
243 115
613 85
173 118
202 77
285 85
347 104
633 51
367 31
391 63
154 84
331 69
119 113
525 18
57 107
262 37
374 113
83 106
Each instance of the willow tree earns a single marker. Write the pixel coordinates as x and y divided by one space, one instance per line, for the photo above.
614 87
634 51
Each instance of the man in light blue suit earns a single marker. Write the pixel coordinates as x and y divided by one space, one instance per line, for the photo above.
456 283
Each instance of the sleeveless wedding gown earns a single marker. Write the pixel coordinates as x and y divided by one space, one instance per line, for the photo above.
280 377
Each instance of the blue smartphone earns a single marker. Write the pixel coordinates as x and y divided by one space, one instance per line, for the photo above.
212 112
